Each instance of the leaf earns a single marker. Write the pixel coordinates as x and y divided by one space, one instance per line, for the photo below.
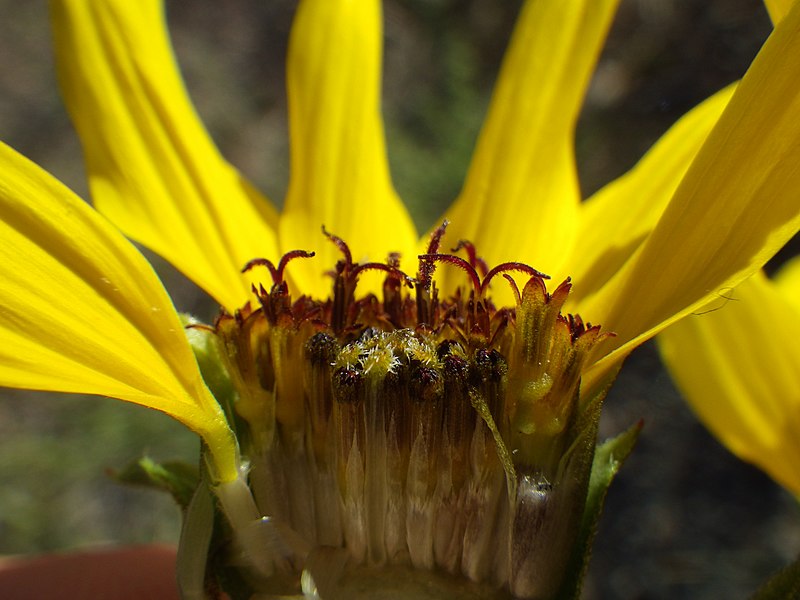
178 478
608 459
196 532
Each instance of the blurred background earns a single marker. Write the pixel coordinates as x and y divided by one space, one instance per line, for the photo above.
684 519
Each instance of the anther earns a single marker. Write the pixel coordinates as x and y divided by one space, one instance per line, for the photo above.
321 349
489 367
347 384
425 384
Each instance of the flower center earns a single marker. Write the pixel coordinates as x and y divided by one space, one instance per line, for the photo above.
416 429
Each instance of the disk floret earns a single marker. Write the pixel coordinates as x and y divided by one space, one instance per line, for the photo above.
414 430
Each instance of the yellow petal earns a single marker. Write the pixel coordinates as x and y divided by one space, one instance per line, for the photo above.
152 168
82 311
778 9
735 208
339 171
738 365
520 199
617 219
787 281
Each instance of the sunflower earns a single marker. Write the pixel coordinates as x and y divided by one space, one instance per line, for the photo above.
82 311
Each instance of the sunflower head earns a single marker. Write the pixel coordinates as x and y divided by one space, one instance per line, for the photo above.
414 428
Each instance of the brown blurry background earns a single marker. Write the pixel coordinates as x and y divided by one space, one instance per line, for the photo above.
684 520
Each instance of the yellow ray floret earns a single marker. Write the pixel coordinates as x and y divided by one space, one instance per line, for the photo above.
153 169
737 362
82 311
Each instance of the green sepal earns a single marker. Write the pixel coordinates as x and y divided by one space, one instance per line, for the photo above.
205 346
608 459
783 584
203 563
196 532
176 477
